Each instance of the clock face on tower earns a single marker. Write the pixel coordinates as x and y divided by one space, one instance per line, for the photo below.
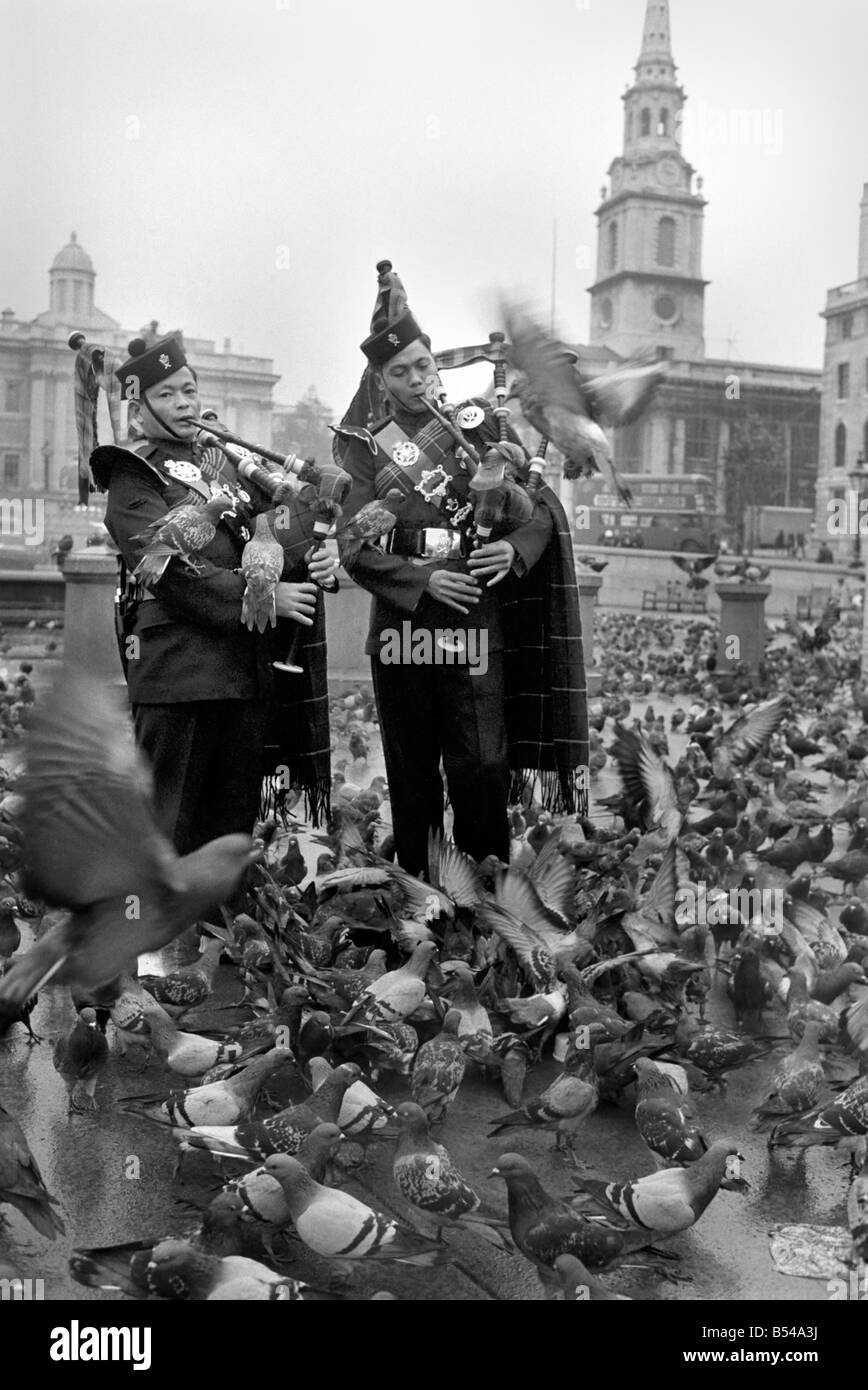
668 172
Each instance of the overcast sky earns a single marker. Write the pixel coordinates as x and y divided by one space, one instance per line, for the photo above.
236 168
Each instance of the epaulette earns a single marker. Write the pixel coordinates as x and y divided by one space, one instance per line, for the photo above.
109 456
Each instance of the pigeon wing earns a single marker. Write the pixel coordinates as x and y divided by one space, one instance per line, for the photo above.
747 735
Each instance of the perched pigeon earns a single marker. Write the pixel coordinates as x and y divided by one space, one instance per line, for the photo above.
438 1070
563 1106
543 1227
427 1178
671 1200
338 1226
362 1111
666 1121
844 1118
797 1084
220 1103
79 1056
261 567
21 1182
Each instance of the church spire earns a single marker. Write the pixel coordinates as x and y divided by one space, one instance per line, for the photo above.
656 46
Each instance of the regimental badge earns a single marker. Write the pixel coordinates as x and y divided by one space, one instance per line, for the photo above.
393 339
433 483
165 360
406 453
471 417
183 471
220 490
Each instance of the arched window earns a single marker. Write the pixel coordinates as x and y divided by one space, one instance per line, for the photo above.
613 245
663 123
840 446
646 122
666 241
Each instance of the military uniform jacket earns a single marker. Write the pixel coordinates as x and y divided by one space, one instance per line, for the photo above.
192 644
399 584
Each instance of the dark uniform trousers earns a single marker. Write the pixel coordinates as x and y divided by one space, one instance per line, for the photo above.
206 758
434 709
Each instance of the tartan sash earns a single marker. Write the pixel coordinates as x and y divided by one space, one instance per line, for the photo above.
433 440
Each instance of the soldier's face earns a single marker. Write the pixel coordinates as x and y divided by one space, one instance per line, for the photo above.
406 376
169 409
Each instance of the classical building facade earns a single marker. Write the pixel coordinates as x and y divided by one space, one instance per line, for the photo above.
38 448
649 298
844 409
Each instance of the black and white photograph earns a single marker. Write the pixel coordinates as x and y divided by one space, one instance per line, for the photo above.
434 665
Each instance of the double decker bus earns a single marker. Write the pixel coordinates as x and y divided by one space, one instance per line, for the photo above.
666 513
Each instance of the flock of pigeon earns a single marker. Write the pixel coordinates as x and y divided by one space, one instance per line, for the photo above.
574 979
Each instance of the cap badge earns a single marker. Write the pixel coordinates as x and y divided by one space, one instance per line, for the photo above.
406 453
165 360
393 339
183 471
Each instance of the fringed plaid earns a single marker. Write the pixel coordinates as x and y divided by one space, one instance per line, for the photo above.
94 368
450 358
546 691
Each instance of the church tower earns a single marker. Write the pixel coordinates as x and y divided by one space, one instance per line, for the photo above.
649 293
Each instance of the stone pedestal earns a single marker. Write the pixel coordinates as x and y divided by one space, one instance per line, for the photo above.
742 617
88 623
589 587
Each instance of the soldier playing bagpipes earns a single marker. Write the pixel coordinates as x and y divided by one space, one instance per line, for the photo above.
209 711
470 547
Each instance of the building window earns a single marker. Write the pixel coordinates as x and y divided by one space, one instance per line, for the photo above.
628 445
613 245
666 308
843 380
840 446
646 121
11 468
629 125
847 326
12 402
663 123
606 312
697 440
666 241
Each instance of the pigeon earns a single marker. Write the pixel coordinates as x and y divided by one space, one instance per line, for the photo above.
180 535
261 567
338 1226
717 1051
438 1070
673 1199
189 1054
398 993
692 566
21 1183
261 1193
281 1133
564 1105
666 1121
567 408
797 1084
79 1057
177 1269
363 1113
748 988
93 846
426 1177
843 1118
188 986
220 1103
543 1227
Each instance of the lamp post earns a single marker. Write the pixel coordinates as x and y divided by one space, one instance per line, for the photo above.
858 478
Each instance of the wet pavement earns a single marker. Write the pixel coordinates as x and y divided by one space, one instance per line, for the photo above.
112 1174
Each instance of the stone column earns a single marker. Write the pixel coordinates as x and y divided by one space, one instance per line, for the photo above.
36 465
88 625
742 617
62 389
589 587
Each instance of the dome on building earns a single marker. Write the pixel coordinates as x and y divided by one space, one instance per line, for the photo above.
73 257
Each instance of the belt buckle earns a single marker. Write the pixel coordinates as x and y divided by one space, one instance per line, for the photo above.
439 542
